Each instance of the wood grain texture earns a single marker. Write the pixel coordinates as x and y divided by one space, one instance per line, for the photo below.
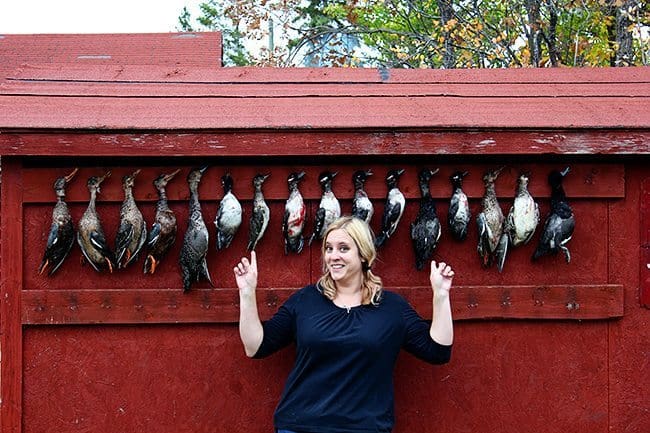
11 282
296 143
644 254
320 112
128 306
131 71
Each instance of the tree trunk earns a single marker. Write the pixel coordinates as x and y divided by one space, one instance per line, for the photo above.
446 14
551 37
624 49
534 43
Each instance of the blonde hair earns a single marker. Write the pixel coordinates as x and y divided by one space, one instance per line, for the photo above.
361 234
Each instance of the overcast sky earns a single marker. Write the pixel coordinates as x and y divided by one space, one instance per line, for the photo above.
92 16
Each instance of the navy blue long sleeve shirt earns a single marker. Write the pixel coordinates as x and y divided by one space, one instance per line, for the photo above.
342 380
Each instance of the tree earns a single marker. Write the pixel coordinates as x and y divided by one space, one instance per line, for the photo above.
436 34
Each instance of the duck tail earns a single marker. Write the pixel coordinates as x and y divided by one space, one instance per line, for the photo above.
381 239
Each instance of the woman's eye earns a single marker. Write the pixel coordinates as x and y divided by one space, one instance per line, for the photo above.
344 249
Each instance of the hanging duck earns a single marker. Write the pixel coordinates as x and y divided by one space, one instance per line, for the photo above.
489 221
162 235
361 205
61 237
425 230
90 235
132 232
229 215
394 208
195 243
521 222
294 216
459 213
560 222
261 213
329 208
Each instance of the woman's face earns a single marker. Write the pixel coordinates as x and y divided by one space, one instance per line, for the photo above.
342 258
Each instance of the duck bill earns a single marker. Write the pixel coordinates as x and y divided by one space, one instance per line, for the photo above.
498 171
135 173
564 172
434 171
368 172
400 171
69 177
203 169
170 176
105 176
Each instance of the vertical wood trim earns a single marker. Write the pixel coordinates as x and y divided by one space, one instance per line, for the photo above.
11 280
644 251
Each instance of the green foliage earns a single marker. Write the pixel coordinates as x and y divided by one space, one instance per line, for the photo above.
213 18
428 33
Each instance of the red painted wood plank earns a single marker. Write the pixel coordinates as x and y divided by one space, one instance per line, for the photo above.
644 256
10 296
586 180
100 50
428 146
163 379
321 113
538 376
42 307
126 71
118 89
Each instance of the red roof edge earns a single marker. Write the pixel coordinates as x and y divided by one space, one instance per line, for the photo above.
202 49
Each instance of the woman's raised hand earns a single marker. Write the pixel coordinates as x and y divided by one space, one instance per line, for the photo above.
246 273
441 277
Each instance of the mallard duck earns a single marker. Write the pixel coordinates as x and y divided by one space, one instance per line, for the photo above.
132 232
195 243
61 237
90 235
162 235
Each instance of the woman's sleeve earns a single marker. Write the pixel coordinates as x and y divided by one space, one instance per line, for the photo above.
279 330
418 341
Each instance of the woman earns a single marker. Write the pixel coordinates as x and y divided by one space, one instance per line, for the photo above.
348 332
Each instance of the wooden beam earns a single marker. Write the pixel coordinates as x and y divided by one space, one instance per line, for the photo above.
11 281
433 144
43 307
644 253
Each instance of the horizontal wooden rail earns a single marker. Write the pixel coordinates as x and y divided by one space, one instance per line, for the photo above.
432 144
127 306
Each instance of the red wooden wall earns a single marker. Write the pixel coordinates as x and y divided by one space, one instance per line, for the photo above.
544 347
133 351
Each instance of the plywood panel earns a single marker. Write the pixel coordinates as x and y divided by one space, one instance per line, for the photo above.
629 341
505 377
154 378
